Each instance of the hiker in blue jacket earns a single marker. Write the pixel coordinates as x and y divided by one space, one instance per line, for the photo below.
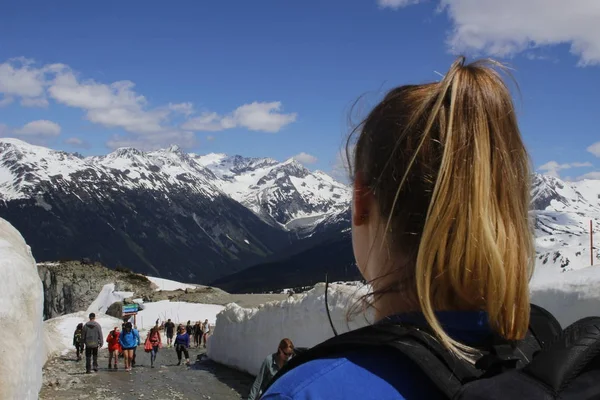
439 230
129 340
182 343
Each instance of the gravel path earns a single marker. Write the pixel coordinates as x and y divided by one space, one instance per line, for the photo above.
65 379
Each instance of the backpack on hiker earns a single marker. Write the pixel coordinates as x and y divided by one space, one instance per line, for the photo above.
550 363
77 339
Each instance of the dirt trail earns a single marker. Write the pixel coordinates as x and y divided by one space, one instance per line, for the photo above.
65 379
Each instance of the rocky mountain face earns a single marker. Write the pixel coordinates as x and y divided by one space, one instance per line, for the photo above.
72 286
284 194
161 213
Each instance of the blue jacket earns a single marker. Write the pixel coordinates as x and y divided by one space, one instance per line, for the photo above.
183 339
129 340
375 374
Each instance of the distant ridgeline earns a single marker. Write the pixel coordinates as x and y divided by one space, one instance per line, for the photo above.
242 224
164 213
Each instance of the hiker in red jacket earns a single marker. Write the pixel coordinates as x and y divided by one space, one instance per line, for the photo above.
153 342
114 348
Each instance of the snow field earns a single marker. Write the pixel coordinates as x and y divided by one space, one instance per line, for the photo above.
21 317
166 284
59 330
243 337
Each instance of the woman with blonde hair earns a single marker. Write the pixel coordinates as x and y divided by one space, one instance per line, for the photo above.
440 231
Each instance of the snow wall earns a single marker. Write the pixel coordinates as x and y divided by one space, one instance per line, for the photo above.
243 337
570 295
22 356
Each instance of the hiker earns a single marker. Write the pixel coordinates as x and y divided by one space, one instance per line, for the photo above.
153 341
182 343
189 329
78 340
114 348
440 232
197 333
92 337
270 366
128 339
169 330
206 329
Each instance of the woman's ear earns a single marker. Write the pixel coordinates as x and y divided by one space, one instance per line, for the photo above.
362 198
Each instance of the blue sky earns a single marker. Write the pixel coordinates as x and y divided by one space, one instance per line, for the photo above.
277 79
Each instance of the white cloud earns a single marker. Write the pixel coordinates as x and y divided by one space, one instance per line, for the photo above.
118 105
76 142
35 132
186 109
19 78
594 149
305 158
552 167
589 175
210 138
395 4
153 141
39 128
255 116
505 28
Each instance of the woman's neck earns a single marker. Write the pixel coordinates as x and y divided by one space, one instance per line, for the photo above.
388 304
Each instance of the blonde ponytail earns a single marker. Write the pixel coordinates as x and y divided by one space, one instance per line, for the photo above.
463 194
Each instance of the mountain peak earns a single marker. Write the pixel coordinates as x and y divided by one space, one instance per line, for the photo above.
126 152
174 149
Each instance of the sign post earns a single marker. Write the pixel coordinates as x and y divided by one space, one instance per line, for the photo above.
129 310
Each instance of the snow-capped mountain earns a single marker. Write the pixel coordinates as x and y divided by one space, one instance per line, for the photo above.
284 192
158 212
563 211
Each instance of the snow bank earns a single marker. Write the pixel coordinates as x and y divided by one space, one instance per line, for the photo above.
243 337
22 352
166 284
59 330
569 295
106 298
177 311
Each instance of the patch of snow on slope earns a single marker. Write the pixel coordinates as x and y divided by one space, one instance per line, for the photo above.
243 337
22 356
177 311
166 284
60 330
106 298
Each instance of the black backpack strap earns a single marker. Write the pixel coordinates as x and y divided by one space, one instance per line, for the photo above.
544 326
447 372
574 351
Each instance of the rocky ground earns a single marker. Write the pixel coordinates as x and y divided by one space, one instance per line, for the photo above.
72 286
65 379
